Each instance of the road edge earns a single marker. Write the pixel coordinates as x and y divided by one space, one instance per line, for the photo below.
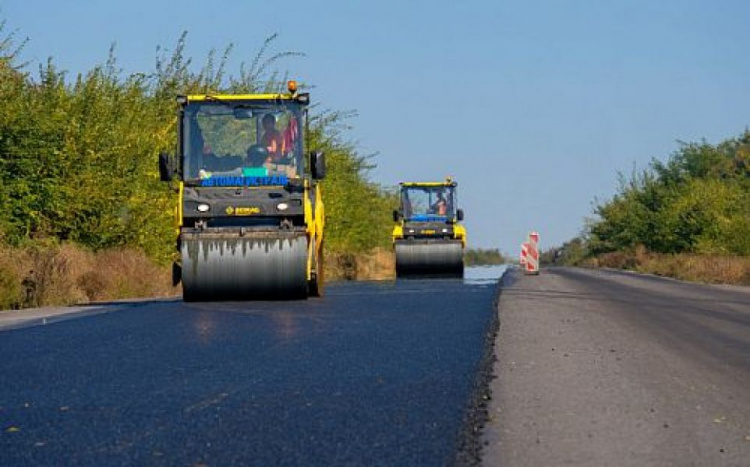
30 317
469 452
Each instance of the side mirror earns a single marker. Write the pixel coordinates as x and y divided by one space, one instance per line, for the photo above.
318 165
396 215
167 169
460 215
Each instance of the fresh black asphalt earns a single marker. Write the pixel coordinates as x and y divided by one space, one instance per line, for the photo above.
373 374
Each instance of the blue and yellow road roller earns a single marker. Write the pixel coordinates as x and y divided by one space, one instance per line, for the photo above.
250 212
428 238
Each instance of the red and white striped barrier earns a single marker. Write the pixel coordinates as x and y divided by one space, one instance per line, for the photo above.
530 254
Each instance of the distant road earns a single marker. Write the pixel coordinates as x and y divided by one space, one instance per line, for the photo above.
599 368
373 374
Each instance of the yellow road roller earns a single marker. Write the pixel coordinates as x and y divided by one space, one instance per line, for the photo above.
250 212
427 237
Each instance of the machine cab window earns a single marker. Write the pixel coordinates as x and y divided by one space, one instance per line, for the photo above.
238 139
426 202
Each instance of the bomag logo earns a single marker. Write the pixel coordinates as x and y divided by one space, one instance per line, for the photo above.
428 232
243 210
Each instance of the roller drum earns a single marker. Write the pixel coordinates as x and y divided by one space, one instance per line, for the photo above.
216 267
429 258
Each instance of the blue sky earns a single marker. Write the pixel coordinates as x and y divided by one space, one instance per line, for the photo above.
532 105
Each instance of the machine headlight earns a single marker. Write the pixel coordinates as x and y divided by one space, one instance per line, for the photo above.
411 230
203 207
445 230
282 206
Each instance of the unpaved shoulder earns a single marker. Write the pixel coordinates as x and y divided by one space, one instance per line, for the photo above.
579 382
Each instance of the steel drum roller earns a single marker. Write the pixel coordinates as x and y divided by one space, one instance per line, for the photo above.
429 258
218 267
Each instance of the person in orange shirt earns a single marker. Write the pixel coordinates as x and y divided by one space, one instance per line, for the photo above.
272 139
440 207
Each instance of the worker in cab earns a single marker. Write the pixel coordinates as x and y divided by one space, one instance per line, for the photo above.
440 206
272 139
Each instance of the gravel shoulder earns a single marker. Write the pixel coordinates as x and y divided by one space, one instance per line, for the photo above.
603 368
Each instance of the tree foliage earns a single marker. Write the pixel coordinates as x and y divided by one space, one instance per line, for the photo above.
78 158
358 212
698 201
484 257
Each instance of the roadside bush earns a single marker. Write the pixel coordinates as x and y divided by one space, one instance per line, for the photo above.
11 295
696 202
687 218
78 165
710 269
376 264
52 278
698 268
48 275
484 257
127 273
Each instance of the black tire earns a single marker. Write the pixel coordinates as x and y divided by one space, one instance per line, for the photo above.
316 286
176 274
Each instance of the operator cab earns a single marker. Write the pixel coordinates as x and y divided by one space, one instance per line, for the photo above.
425 203
241 139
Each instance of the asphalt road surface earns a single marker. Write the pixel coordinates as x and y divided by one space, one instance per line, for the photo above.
594 368
374 374
600 368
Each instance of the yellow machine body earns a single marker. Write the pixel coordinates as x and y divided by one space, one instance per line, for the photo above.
250 213
428 238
